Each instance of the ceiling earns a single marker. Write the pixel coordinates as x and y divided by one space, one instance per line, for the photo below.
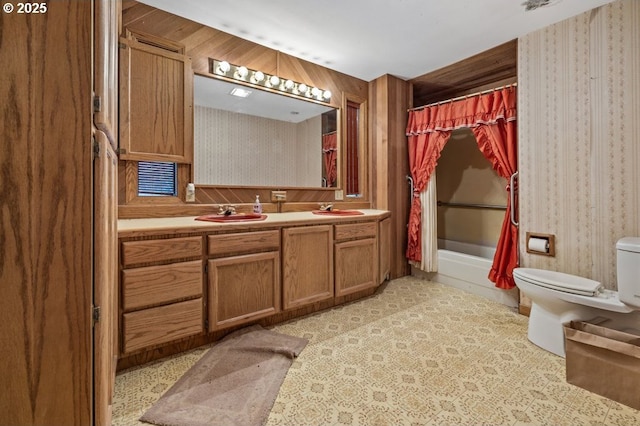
369 38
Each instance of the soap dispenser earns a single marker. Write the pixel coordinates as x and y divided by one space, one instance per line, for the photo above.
257 207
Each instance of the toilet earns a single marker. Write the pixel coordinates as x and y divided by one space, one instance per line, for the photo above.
557 298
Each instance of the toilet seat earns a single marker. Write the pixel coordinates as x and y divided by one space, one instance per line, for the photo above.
559 281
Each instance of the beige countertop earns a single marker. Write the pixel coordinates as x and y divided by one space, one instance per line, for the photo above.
186 224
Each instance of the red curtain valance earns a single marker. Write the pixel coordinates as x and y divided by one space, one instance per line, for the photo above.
469 112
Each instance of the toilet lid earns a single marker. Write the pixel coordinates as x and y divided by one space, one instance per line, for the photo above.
559 281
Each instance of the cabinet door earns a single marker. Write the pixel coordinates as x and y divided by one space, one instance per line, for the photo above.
156 97
307 265
356 263
105 278
243 288
105 79
384 243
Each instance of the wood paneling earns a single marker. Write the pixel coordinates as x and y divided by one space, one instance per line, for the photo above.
202 43
209 194
486 70
390 99
46 215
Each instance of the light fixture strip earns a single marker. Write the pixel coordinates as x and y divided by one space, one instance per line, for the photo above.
258 78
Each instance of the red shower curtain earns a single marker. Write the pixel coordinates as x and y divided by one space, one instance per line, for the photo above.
492 118
330 154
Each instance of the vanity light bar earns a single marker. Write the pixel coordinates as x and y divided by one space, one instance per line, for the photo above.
246 75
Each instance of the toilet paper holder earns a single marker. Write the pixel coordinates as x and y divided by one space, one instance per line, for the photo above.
544 244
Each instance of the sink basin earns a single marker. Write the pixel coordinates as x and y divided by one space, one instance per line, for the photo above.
337 212
238 217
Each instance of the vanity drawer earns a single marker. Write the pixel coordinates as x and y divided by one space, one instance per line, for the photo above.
155 285
244 242
354 231
148 327
135 252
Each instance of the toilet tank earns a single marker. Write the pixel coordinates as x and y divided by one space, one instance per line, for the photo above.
628 270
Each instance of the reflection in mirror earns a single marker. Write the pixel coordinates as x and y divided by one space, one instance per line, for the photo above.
354 152
264 139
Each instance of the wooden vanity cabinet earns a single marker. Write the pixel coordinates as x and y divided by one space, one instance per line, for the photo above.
307 265
162 291
183 288
243 273
356 257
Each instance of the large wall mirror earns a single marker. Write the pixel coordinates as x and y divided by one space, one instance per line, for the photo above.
263 139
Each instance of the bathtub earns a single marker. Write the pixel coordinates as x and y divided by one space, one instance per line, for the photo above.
466 266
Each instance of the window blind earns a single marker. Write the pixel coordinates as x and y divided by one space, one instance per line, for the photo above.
156 179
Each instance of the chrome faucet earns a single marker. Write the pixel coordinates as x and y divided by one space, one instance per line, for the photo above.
326 207
227 210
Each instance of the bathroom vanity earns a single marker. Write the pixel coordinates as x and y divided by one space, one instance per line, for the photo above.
185 282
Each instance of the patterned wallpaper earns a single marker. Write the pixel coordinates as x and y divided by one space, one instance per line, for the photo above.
579 138
264 152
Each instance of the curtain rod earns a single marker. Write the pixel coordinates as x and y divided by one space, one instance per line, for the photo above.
463 97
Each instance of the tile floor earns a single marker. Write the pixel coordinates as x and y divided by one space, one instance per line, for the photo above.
416 353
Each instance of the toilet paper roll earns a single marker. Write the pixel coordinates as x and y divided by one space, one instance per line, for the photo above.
538 244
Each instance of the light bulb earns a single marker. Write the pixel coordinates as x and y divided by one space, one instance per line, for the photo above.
274 80
242 72
288 84
327 94
224 67
315 92
258 76
302 88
